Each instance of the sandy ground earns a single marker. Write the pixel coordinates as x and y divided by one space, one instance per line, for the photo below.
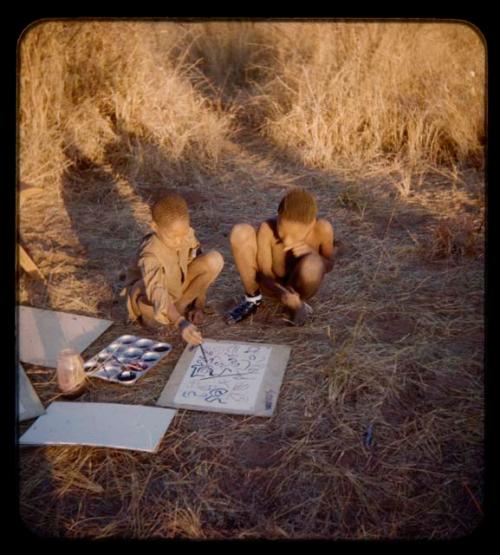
396 341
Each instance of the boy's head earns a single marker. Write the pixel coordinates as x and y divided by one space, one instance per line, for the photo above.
171 218
296 216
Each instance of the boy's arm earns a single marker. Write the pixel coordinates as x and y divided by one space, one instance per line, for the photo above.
164 309
152 275
265 275
326 248
195 247
324 231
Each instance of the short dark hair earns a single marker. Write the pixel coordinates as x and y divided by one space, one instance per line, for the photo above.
170 206
298 206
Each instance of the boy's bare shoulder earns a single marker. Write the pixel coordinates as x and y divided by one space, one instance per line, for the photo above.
323 226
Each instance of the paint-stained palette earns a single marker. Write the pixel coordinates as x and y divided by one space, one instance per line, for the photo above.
126 359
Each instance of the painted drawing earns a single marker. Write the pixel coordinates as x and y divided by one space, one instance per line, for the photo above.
229 377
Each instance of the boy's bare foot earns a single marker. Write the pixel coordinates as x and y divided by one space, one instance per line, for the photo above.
301 314
196 316
290 298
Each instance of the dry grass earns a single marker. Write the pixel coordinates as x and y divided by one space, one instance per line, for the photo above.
110 92
348 96
357 95
456 238
232 115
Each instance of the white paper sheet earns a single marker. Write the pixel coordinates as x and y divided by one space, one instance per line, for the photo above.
231 379
44 333
132 427
252 374
29 404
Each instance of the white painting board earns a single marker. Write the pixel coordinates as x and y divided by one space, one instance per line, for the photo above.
236 377
44 333
29 405
132 427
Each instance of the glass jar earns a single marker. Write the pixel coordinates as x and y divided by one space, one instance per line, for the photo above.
70 373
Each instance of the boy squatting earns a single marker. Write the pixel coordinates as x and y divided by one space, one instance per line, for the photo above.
168 282
286 258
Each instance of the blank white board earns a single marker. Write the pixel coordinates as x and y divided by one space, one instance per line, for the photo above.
29 405
132 427
232 377
44 333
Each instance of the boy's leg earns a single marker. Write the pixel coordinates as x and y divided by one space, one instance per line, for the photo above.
305 279
244 248
307 275
201 273
243 240
139 307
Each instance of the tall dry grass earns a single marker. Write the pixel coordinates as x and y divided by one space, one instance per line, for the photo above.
97 86
332 95
356 94
350 94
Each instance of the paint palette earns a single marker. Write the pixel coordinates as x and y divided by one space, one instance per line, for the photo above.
126 359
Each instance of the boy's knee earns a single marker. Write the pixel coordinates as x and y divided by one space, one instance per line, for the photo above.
242 233
312 266
214 262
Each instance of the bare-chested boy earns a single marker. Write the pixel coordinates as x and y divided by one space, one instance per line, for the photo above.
286 258
168 282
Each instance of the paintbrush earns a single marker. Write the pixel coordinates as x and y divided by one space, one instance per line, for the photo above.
204 355
100 365
285 289
193 347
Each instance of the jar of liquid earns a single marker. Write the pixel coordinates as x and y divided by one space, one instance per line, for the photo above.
70 373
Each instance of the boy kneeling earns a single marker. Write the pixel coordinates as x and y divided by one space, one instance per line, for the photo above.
286 258
168 281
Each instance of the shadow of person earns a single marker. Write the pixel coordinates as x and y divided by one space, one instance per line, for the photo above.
104 224
151 172
140 160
